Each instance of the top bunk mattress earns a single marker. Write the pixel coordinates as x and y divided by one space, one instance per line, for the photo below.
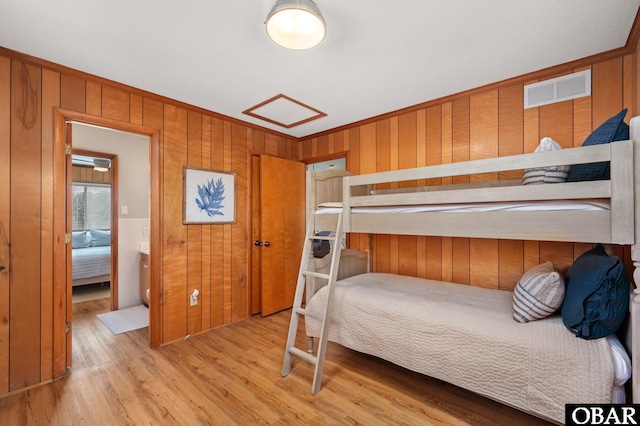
554 205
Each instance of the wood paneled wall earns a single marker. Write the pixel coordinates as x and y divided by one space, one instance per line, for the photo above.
210 258
482 123
86 174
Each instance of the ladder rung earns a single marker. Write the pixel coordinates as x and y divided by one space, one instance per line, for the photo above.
300 311
315 274
302 354
322 237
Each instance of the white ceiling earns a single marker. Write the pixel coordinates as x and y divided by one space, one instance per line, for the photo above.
377 57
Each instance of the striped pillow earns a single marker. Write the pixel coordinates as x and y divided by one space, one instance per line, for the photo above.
539 293
552 174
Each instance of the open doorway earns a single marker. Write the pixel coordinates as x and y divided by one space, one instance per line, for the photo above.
108 203
321 165
64 121
94 189
130 203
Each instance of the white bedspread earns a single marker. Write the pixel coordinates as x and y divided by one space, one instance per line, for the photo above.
466 336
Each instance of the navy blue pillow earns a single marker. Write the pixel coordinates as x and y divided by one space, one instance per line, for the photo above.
596 301
614 129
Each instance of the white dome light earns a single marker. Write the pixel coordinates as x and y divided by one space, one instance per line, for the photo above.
296 24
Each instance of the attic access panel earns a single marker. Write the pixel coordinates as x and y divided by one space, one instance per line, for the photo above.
284 111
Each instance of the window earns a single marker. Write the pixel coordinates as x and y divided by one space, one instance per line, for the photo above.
91 203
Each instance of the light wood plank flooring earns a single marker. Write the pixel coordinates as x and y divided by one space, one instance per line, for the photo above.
231 376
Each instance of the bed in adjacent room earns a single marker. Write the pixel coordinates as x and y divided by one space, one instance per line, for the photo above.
91 257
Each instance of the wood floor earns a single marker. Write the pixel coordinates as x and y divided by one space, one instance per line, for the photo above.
231 376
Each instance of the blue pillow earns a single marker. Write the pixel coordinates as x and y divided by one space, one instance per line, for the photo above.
614 129
596 300
79 239
100 238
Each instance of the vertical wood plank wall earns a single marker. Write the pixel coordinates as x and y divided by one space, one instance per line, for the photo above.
482 124
86 174
212 259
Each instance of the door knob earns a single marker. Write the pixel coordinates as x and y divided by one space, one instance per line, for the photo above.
257 243
267 243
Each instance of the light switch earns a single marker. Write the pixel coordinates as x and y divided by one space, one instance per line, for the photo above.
124 210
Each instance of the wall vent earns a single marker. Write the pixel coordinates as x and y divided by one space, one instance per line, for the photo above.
559 89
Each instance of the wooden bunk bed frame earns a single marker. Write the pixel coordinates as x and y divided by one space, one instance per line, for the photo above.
614 226
619 224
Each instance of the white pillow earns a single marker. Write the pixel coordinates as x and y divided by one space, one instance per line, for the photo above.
621 361
552 174
538 294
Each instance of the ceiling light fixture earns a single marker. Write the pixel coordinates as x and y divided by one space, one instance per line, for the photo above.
296 24
101 165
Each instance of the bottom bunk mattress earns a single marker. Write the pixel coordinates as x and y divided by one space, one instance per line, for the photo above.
88 262
466 336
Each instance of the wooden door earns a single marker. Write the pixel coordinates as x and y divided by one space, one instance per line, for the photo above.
68 247
256 249
282 222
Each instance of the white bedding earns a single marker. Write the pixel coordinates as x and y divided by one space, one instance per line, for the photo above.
90 262
333 208
466 336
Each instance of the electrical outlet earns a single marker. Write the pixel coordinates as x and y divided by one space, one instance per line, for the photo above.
194 297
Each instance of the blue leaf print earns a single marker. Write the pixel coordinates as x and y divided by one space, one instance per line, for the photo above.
210 196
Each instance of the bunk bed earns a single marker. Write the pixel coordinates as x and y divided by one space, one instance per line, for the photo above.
464 334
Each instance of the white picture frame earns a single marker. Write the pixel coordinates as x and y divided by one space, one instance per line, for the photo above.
209 196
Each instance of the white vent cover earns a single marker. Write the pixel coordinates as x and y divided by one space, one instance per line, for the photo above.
559 89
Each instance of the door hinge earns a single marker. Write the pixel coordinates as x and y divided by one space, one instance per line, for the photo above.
68 327
67 238
67 148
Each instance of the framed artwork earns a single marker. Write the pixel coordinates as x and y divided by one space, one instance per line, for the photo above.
209 196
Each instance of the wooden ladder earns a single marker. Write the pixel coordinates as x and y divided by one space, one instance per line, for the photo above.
297 310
